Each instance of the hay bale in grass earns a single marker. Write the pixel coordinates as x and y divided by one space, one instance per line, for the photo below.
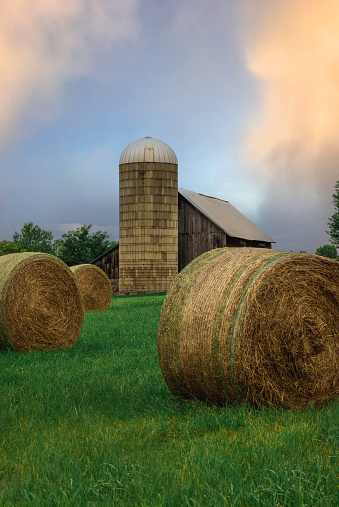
253 325
95 286
40 303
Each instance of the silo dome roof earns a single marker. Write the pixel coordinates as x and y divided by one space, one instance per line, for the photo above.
148 149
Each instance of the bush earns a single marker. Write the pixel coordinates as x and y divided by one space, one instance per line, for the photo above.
329 251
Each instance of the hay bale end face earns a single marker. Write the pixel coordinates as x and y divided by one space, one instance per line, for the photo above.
253 325
95 286
40 303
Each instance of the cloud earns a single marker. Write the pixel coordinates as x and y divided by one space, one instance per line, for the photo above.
291 49
45 44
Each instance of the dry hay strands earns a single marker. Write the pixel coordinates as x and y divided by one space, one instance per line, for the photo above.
253 325
40 303
95 286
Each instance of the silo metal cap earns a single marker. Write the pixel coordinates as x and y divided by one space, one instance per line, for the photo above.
148 149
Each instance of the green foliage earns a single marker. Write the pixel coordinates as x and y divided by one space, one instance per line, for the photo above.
34 239
81 247
96 425
327 251
75 247
333 222
57 245
8 247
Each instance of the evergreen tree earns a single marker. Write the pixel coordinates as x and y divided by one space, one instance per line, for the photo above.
329 251
333 222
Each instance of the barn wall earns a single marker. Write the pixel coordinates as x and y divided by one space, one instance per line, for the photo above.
109 263
239 242
196 233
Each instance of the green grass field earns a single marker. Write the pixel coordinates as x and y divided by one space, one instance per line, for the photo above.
96 425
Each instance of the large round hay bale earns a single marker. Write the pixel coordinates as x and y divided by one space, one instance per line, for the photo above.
253 325
40 303
95 286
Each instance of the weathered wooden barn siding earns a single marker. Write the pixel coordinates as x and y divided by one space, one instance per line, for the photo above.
109 263
198 234
239 242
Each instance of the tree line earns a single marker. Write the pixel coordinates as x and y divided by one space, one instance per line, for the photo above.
76 247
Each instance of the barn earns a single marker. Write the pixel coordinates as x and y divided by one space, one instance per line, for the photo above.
163 228
205 223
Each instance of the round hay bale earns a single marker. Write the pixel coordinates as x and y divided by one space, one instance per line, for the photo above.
253 325
40 303
95 286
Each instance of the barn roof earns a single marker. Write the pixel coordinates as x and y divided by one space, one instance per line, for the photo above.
225 216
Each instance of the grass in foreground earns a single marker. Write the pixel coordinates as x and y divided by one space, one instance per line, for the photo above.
97 425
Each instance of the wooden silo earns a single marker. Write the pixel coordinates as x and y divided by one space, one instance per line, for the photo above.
148 217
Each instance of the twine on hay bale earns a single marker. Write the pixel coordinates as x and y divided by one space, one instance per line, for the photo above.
253 325
95 286
40 303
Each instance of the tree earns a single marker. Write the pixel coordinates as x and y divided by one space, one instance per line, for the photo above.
333 222
57 245
34 239
8 247
327 251
81 247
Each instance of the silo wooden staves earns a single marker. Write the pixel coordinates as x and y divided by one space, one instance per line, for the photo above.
148 217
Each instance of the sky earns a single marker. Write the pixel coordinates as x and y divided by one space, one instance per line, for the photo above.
244 91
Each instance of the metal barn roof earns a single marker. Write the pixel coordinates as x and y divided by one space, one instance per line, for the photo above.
148 150
225 216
